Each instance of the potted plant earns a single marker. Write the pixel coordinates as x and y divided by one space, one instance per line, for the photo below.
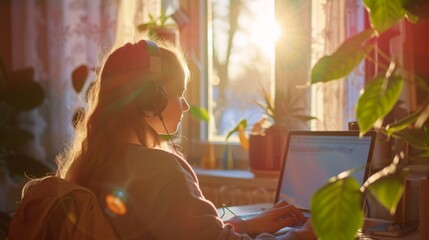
162 27
341 221
267 138
18 93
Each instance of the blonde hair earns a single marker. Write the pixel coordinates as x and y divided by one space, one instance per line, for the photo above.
95 141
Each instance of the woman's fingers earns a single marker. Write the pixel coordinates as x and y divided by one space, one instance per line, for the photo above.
280 203
291 211
289 221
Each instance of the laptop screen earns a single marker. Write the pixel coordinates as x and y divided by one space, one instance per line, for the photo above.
313 157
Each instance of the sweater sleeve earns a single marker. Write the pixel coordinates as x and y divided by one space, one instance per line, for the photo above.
180 207
164 201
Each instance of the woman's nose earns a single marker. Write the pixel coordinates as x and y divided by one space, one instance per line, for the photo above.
185 105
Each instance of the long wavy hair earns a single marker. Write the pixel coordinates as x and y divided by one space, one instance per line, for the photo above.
111 112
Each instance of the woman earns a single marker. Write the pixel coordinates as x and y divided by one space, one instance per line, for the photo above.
147 189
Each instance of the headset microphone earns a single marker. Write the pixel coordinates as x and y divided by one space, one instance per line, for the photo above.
155 98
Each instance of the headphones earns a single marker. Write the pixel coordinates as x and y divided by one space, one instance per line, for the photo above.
154 98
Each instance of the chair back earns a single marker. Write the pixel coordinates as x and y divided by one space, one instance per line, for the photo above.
54 208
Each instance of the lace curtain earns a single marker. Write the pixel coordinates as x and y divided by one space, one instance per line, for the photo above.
334 21
56 36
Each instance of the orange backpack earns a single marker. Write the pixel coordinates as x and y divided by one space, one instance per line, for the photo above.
54 208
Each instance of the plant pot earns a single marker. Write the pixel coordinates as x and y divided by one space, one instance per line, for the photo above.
266 153
168 34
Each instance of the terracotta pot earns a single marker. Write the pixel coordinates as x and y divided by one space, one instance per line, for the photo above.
169 34
266 153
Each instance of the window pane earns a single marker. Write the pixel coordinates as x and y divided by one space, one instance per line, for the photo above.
243 36
334 103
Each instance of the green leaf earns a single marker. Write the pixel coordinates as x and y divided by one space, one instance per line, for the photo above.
418 138
20 165
242 123
384 14
22 92
20 75
24 95
199 113
336 209
416 8
403 123
422 83
79 76
420 156
13 138
388 191
146 26
412 18
346 58
378 99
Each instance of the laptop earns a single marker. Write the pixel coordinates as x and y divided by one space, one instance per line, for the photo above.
312 157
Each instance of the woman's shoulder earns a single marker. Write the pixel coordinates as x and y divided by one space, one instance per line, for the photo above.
136 149
140 156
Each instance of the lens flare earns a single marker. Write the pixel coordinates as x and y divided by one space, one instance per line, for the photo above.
115 204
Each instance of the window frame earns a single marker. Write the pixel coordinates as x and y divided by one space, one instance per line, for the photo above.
195 38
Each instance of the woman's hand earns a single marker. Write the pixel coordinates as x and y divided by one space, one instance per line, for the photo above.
271 220
306 231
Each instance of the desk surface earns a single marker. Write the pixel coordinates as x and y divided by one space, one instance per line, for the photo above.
229 212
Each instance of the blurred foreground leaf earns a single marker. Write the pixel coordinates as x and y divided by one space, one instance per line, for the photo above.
377 100
344 60
336 209
199 113
388 191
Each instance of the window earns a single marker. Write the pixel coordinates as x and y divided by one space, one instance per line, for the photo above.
228 86
334 103
243 36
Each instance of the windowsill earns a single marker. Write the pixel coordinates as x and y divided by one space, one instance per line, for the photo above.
244 174
236 177
196 150
235 187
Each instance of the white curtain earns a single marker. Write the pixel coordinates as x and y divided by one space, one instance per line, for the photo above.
131 14
56 36
334 102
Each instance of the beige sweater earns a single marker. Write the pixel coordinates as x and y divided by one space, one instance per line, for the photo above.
160 198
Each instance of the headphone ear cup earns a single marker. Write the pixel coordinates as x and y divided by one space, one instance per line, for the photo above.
155 101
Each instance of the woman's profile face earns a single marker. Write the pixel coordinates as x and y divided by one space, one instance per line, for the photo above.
176 105
175 86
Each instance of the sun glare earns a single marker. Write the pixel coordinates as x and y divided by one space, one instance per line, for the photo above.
264 33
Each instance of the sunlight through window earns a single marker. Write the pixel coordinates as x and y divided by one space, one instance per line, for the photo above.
244 35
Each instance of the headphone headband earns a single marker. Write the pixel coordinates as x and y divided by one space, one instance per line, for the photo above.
155 98
154 58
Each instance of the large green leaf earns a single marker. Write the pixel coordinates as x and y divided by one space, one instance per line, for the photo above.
20 165
418 8
419 156
13 138
384 14
403 123
377 100
79 76
343 60
336 209
418 138
20 75
24 95
386 185
388 191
